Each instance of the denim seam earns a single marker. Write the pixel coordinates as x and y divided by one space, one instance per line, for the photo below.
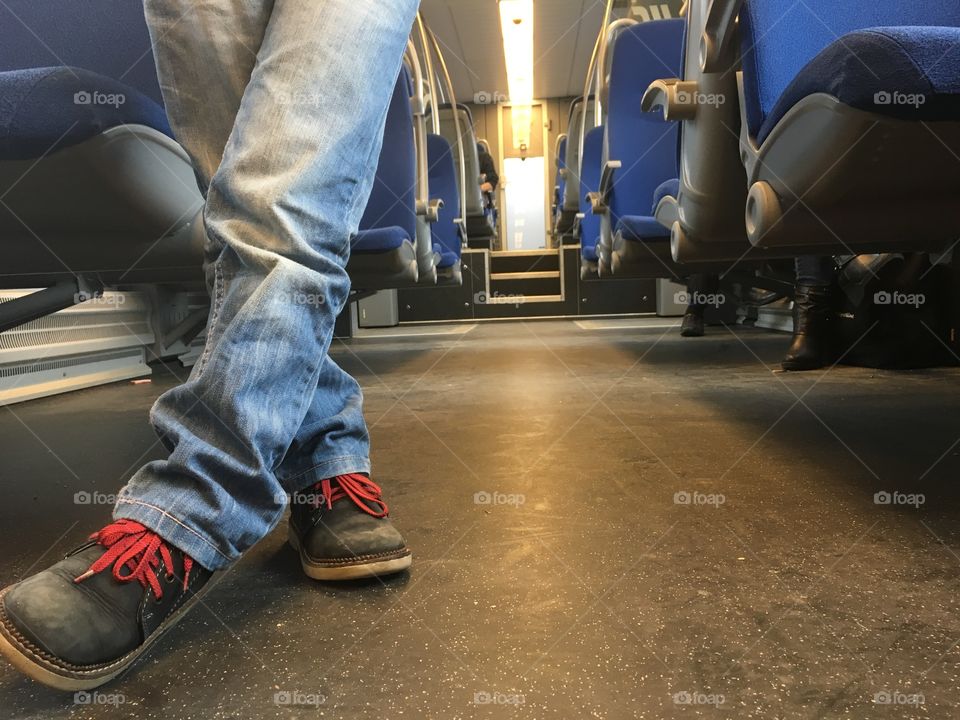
186 527
323 464
218 303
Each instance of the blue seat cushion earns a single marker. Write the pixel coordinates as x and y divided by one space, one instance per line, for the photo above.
379 240
43 110
448 259
670 188
641 227
589 252
912 73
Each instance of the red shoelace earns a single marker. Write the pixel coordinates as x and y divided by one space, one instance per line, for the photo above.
355 486
132 547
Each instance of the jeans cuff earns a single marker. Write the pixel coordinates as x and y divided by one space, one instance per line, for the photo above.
174 531
314 473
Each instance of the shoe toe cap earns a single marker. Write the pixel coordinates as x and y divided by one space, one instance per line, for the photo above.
65 622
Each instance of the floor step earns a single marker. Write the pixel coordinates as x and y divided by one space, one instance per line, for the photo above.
532 275
546 282
524 261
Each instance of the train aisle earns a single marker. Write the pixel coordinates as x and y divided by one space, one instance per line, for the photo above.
605 524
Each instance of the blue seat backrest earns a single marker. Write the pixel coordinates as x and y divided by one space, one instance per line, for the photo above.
443 186
644 144
779 37
108 37
590 182
393 198
561 163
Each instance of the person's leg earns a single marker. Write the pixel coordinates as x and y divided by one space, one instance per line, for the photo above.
203 111
202 95
692 325
205 52
810 348
281 207
293 182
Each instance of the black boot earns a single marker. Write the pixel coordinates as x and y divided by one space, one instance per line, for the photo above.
85 620
341 530
692 325
812 323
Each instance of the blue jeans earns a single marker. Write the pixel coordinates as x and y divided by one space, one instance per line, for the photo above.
280 105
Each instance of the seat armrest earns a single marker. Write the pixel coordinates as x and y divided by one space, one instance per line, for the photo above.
461 224
676 98
577 220
610 168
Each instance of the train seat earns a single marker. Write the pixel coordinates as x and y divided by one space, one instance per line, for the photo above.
478 224
851 123
383 252
82 125
448 231
560 182
588 224
641 151
571 199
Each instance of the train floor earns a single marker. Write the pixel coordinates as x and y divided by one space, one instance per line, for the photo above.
608 521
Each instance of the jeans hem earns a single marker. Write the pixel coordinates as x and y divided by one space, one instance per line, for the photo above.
343 465
174 531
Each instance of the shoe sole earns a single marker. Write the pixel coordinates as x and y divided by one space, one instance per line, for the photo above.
50 674
345 570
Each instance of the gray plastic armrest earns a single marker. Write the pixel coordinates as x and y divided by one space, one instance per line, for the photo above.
675 98
599 201
430 210
718 32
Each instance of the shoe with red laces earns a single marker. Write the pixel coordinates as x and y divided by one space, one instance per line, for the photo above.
341 530
83 621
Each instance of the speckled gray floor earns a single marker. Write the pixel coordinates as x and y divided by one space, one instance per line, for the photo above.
674 530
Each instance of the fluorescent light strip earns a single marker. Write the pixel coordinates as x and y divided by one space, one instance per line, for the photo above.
516 23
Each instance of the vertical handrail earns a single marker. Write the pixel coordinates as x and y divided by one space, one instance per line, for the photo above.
419 127
431 74
591 76
457 124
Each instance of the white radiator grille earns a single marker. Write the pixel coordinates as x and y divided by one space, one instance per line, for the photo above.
96 342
